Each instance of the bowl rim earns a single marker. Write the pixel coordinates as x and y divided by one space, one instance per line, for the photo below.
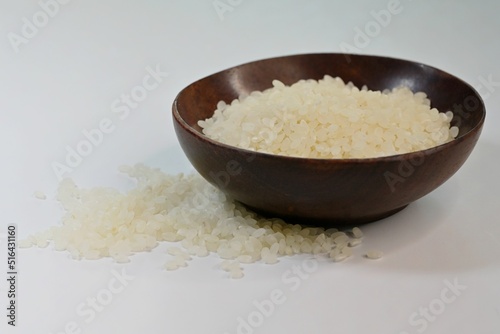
388 158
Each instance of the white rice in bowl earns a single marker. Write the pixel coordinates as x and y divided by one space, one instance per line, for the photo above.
330 119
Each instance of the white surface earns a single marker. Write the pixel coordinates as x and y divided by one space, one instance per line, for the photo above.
65 79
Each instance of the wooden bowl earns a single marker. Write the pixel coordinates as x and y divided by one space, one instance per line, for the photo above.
327 191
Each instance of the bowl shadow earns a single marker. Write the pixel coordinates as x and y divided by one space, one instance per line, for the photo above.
454 229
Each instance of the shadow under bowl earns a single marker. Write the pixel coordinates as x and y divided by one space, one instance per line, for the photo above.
328 192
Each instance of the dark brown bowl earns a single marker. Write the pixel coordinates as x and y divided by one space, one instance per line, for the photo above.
327 191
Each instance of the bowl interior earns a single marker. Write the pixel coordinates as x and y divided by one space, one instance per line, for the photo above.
446 92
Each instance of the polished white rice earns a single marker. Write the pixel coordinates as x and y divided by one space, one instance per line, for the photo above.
330 119
184 209
374 254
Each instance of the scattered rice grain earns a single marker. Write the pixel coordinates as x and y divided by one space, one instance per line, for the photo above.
357 233
40 195
374 254
186 209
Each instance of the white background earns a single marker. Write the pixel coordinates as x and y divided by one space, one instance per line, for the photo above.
64 79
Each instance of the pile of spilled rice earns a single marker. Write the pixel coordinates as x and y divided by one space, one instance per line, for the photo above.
103 222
